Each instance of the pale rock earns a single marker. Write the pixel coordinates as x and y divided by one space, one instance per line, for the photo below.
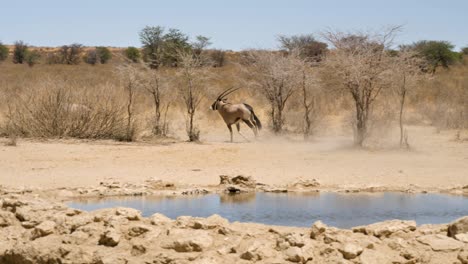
350 251
159 219
294 254
24 214
138 249
370 256
463 256
78 237
29 224
252 251
129 213
211 222
138 230
458 226
110 238
294 240
72 212
197 242
317 229
43 229
7 219
462 237
78 221
386 228
440 242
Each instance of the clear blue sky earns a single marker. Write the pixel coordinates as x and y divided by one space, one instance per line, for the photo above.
232 25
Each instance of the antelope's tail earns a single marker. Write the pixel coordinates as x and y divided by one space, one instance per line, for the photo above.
257 121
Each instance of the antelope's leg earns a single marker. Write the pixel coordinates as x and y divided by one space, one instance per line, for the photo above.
230 130
251 126
238 130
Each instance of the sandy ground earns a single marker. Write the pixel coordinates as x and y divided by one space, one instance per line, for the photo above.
435 160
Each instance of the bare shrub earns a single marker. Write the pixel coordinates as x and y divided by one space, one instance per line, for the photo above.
217 57
70 54
55 108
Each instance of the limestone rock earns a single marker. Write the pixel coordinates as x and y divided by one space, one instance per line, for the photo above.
211 222
462 237
463 256
159 219
458 226
370 256
198 243
294 239
7 218
294 254
386 228
44 229
440 242
138 230
110 238
318 228
129 213
351 251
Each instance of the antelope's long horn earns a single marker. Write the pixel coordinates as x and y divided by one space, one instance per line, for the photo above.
224 93
231 91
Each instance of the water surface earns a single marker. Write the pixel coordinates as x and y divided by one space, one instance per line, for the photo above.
292 209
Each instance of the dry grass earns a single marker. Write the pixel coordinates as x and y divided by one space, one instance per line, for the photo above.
85 101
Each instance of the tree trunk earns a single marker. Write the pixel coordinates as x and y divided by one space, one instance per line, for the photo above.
307 122
402 105
129 134
157 114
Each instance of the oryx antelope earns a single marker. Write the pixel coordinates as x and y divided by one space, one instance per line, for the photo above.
234 113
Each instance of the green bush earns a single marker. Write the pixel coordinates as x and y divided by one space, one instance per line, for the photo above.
32 57
3 52
103 54
464 51
20 52
133 54
436 53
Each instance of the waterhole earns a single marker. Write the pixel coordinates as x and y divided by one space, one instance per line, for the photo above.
292 209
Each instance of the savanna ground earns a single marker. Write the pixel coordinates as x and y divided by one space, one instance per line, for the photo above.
437 156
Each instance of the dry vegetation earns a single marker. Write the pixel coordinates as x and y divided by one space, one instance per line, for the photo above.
129 101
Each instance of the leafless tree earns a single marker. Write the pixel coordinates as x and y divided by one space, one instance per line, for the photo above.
275 76
406 72
309 89
192 76
156 85
131 80
360 62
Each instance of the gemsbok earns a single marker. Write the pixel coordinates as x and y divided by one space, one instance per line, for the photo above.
234 113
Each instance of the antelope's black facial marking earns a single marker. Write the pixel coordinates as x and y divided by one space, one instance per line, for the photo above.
214 106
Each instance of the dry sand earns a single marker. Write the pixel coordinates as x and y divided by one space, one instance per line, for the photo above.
435 161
